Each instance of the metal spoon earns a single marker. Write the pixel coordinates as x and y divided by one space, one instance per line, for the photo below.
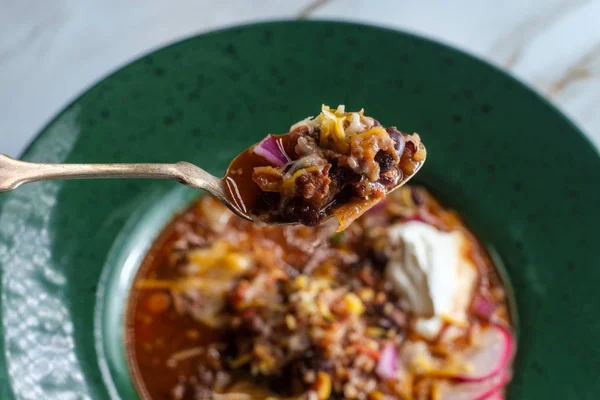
14 173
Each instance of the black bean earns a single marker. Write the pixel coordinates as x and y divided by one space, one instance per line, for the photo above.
385 161
346 175
345 195
398 139
304 213
270 198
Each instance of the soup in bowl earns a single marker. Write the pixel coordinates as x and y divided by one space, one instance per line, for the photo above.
403 304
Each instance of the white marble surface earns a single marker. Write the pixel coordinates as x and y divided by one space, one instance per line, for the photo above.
51 51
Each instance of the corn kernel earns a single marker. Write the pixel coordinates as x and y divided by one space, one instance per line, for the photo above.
301 281
353 304
376 395
237 262
323 386
375 332
290 321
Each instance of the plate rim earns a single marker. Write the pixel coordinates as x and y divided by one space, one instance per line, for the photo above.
532 91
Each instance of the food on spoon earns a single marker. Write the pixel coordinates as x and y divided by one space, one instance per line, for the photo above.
338 163
296 312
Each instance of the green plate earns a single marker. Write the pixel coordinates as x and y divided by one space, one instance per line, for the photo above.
521 174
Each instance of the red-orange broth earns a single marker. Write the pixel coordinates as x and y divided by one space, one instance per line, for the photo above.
173 353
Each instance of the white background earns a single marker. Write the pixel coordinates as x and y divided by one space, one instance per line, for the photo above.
52 50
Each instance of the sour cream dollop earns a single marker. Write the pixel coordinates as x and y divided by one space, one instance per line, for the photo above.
430 268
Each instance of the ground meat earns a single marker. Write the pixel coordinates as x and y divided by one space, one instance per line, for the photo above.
305 197
315 185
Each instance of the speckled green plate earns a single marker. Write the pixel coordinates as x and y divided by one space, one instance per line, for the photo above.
521 174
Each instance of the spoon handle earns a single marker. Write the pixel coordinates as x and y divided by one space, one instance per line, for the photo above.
14 173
